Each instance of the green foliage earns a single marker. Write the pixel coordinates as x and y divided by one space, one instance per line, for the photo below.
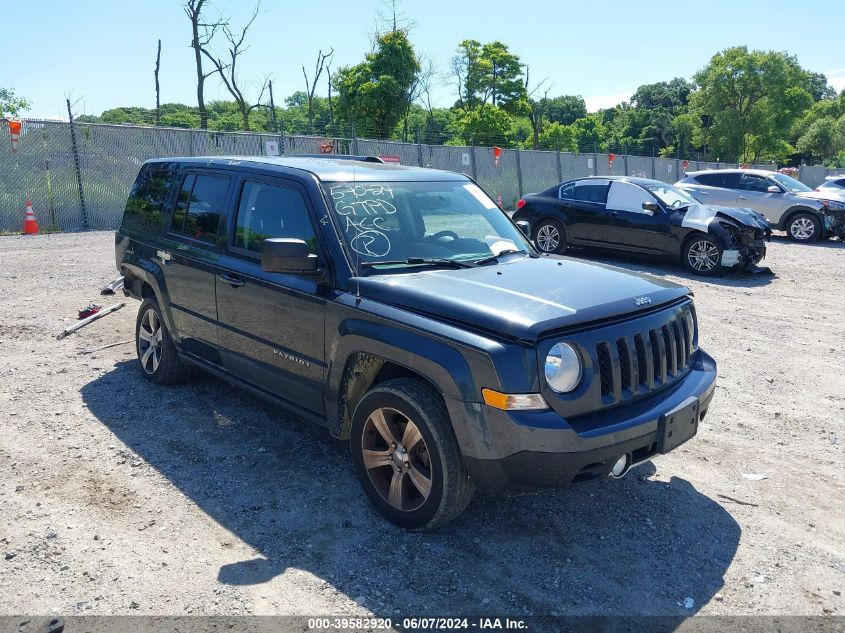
824 138
748 101
10 105
375 93
565 109
485 125
556 136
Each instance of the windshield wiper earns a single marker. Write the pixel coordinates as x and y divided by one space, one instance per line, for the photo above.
493 258
420 261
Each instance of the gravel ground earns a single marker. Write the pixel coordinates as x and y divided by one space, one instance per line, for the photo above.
122 497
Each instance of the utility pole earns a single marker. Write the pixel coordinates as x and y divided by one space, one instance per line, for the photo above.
76 164
273 109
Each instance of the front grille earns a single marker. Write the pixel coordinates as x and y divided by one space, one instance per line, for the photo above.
640 362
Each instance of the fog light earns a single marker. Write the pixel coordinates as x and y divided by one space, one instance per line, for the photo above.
620 466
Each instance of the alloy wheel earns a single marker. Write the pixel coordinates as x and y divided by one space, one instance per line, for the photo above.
802 228
396 458
150 333
548 238
703 255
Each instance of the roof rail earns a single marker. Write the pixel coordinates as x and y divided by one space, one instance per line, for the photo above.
364 159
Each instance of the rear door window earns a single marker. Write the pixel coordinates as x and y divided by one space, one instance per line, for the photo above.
591 191
199 206
722 180
753 182
266 211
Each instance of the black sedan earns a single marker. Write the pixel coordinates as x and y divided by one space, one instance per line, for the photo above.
643 216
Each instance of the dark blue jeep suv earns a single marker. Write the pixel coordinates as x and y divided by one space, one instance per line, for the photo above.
403 310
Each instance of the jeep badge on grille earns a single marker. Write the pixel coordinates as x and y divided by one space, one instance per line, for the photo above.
641 301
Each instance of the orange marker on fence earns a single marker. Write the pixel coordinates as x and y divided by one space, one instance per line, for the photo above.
30 226
15 133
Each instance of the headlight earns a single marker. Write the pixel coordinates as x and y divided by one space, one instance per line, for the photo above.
833 204
563 368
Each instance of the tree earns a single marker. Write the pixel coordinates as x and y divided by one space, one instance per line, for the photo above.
561 138
201 36
10 105
590 133
565 109
824 139
485 125
488 73
374 94
748 101
228 70
668 95
311 87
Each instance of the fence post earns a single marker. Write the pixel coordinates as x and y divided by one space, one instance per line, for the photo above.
474 167
519 172
653 164
559 168
595 160
354 140
191 141
420 154
84 213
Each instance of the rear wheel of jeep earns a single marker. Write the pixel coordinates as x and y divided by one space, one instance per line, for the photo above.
406 456
550 237
157 353
702 255
804 227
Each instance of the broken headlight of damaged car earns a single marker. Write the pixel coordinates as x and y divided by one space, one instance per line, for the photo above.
834 218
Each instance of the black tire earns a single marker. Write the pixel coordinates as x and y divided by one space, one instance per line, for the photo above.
550 237
397 403
702 255
804 227
162 365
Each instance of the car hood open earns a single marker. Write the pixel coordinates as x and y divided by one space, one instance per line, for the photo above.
525 297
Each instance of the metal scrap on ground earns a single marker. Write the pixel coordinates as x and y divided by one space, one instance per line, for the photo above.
78 326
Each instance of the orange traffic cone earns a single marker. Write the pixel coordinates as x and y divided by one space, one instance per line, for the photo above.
30 226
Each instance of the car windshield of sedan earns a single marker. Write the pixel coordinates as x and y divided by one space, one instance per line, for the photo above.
391 222
789 183
672 197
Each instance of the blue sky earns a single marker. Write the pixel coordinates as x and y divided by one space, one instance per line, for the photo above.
103 53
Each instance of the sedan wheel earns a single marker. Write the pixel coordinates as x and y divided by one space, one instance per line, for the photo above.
549 237
702 256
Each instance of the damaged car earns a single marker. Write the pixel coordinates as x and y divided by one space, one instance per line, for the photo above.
788 204
643 216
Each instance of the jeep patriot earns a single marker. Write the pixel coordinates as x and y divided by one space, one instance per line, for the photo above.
403 310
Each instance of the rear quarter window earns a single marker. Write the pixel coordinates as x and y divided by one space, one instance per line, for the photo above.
147 199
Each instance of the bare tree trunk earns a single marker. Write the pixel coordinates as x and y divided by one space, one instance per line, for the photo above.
311 88
273 109
201 35
158 91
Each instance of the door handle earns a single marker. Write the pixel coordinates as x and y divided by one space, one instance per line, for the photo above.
232 280
614 214
743 197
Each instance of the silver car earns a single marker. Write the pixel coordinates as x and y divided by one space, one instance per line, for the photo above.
833 186
789 205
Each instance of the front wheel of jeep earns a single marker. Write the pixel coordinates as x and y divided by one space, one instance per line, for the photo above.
406 456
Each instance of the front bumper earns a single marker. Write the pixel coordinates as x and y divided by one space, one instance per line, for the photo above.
533 450
834 224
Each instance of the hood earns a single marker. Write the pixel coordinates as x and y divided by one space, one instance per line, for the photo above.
699 216
525 297
822 196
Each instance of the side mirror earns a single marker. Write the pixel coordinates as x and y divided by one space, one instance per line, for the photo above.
285 255
774 189
524 228
652 207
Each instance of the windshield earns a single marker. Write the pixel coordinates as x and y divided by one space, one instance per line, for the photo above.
671 197
789 183
395 221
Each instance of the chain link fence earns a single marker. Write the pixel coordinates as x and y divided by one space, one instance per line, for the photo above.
79 175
